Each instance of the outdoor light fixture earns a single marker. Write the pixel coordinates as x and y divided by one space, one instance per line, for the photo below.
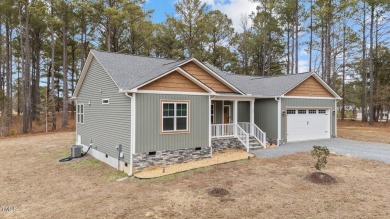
283 112
89 103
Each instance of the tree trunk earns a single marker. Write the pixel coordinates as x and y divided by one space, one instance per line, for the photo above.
65 69
296 35
52 90
364 74
311 35
26 76
371 65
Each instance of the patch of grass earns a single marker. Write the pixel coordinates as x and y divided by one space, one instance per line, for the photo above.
88 162
112 174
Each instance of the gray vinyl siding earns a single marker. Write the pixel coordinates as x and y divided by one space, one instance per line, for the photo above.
108 125
308 103
218 112
266 117
243 111
148 123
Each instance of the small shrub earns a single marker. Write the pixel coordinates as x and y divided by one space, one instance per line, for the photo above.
321 153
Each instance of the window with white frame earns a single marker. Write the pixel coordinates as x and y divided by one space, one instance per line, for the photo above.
80 113
174 116
212 113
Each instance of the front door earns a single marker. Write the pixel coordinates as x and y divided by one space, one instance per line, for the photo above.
226 114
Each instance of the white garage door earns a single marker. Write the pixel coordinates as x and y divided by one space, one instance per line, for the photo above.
308 124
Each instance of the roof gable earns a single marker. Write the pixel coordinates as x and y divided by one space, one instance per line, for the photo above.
309 88
175 81
206 78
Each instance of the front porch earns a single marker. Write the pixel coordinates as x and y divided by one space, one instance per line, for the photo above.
235 118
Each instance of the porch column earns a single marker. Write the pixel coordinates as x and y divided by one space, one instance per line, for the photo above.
235 115
252 116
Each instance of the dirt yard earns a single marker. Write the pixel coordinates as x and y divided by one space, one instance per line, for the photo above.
356 130
37 186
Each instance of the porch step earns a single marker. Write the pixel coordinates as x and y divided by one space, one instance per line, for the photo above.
254 146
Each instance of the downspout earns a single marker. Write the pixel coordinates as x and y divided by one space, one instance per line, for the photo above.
279 120
131 136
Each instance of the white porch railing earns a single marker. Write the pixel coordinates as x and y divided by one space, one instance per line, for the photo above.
254 131
233 130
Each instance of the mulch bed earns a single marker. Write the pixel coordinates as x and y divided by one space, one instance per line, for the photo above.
321 178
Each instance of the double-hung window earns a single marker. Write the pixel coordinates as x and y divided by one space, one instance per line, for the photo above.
80 113
175 116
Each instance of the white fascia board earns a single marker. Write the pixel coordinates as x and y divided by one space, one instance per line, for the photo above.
234 97
207 69
181 71
302 97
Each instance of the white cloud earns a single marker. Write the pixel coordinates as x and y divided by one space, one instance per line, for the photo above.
234 9
303 66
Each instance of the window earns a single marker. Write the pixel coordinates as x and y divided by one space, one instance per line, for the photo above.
321 111
212 113
80 113
105 101
291 111
174 116
301 111
312 111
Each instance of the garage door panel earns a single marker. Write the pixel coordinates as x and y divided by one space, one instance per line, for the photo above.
308 126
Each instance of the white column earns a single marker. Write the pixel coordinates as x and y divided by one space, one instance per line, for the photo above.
252 116
235 115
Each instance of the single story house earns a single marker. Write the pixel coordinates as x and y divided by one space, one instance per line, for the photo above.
164 111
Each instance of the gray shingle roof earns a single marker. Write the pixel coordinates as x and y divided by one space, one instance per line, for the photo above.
130 71
262 86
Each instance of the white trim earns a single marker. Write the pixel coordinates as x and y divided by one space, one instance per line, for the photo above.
231 98
133 118
210 119
335 118
207 69
175 116
181 71
322 82
223 104
108 101
173 92
81 114
76 121
235 114
252 115
302 97
279 120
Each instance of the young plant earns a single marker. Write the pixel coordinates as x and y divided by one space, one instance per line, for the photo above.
321 153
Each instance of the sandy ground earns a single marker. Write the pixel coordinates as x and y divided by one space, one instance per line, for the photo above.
225 156
38 186
356 130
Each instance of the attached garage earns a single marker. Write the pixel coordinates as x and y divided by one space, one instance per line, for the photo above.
307 124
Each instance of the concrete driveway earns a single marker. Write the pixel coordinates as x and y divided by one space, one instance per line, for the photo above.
366 150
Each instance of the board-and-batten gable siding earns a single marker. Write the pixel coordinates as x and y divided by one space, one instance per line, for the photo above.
266 116
106 125
173 82
206 78
148 123
310 88
308 103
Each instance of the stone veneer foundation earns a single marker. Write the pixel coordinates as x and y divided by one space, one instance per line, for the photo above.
161 158
224 143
